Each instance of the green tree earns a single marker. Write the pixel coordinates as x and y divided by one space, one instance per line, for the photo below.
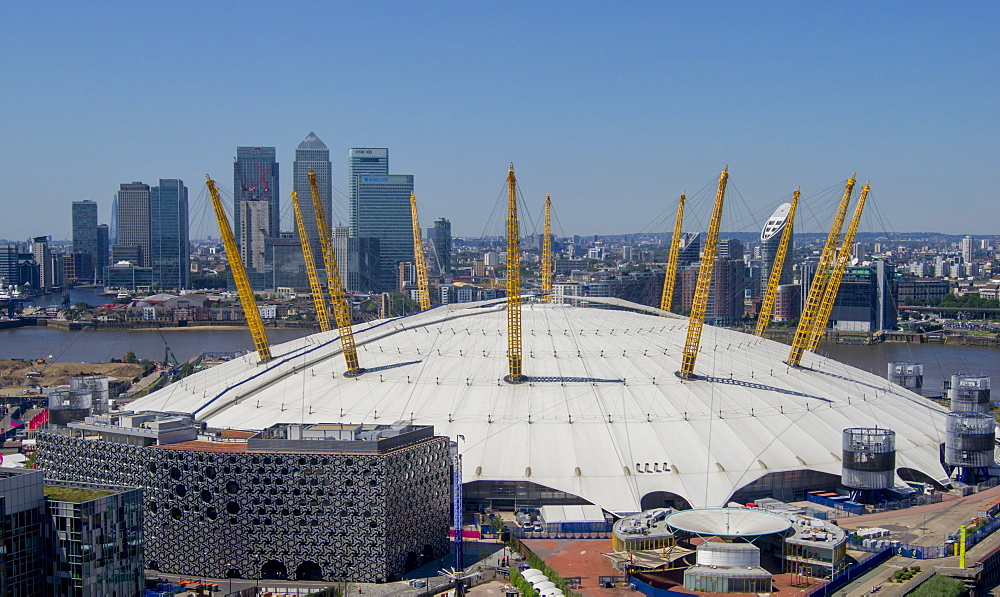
130 358
941 586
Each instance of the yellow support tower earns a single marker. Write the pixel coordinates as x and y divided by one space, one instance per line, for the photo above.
547 252
319 300
818 287
513 283
341 310
247 301
767 308
830 294
704 285
670 276
423 291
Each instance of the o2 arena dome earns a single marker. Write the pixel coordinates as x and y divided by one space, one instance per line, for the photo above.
601 415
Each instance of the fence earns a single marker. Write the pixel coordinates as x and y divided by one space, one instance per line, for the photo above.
925 552
850 574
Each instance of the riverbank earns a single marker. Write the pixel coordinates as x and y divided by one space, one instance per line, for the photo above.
97 326
868 338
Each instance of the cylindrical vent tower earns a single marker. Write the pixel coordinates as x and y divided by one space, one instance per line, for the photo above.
907 374
968 444
970 393
869 461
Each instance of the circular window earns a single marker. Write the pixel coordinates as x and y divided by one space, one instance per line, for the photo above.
175 513
152 467
180 490
153 507
206 495
212 513
211 472
175 473
233 508
232 488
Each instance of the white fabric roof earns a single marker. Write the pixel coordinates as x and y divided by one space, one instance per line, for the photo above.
728 522
556 514
603 417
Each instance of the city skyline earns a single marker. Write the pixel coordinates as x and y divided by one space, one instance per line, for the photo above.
787 94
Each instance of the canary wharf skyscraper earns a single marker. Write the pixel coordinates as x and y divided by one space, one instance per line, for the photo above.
170 251
380 208
313 153
133 219
256 203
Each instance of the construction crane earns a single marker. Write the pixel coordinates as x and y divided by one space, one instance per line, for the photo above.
820 278
341 310
767 308
704 285
423 292
250 311
513 283
319 300
547 269
670 276
830 294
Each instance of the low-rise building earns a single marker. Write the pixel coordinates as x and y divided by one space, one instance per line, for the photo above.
311 502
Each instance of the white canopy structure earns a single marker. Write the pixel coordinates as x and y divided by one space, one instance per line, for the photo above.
602 414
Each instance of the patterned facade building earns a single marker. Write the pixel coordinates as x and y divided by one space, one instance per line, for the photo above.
361 503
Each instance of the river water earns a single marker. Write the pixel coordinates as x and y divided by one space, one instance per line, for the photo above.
940 361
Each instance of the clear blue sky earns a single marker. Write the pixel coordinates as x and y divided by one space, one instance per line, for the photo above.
614 108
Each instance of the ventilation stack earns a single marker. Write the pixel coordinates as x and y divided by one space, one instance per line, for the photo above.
970 393
968 445
907 374
869 462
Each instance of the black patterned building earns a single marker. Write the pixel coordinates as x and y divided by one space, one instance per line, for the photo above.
361 503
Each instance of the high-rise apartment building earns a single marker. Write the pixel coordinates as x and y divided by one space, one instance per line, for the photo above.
133 219
313 154
43 256
380 208
169 247
255 179
968 245
770 240
442 246
725 296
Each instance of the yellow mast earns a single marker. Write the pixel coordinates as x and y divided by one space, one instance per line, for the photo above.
767 308
247 301
547 252
341 310
513 283
670 276
830 295
423 292
697 319
319 301
818 287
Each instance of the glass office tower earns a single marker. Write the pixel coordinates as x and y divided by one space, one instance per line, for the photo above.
133 219
255 179
382 211
169 247
313 153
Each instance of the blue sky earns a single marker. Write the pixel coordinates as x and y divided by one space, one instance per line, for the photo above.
614 108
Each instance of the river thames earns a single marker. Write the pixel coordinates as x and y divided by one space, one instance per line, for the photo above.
89 346
940 361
